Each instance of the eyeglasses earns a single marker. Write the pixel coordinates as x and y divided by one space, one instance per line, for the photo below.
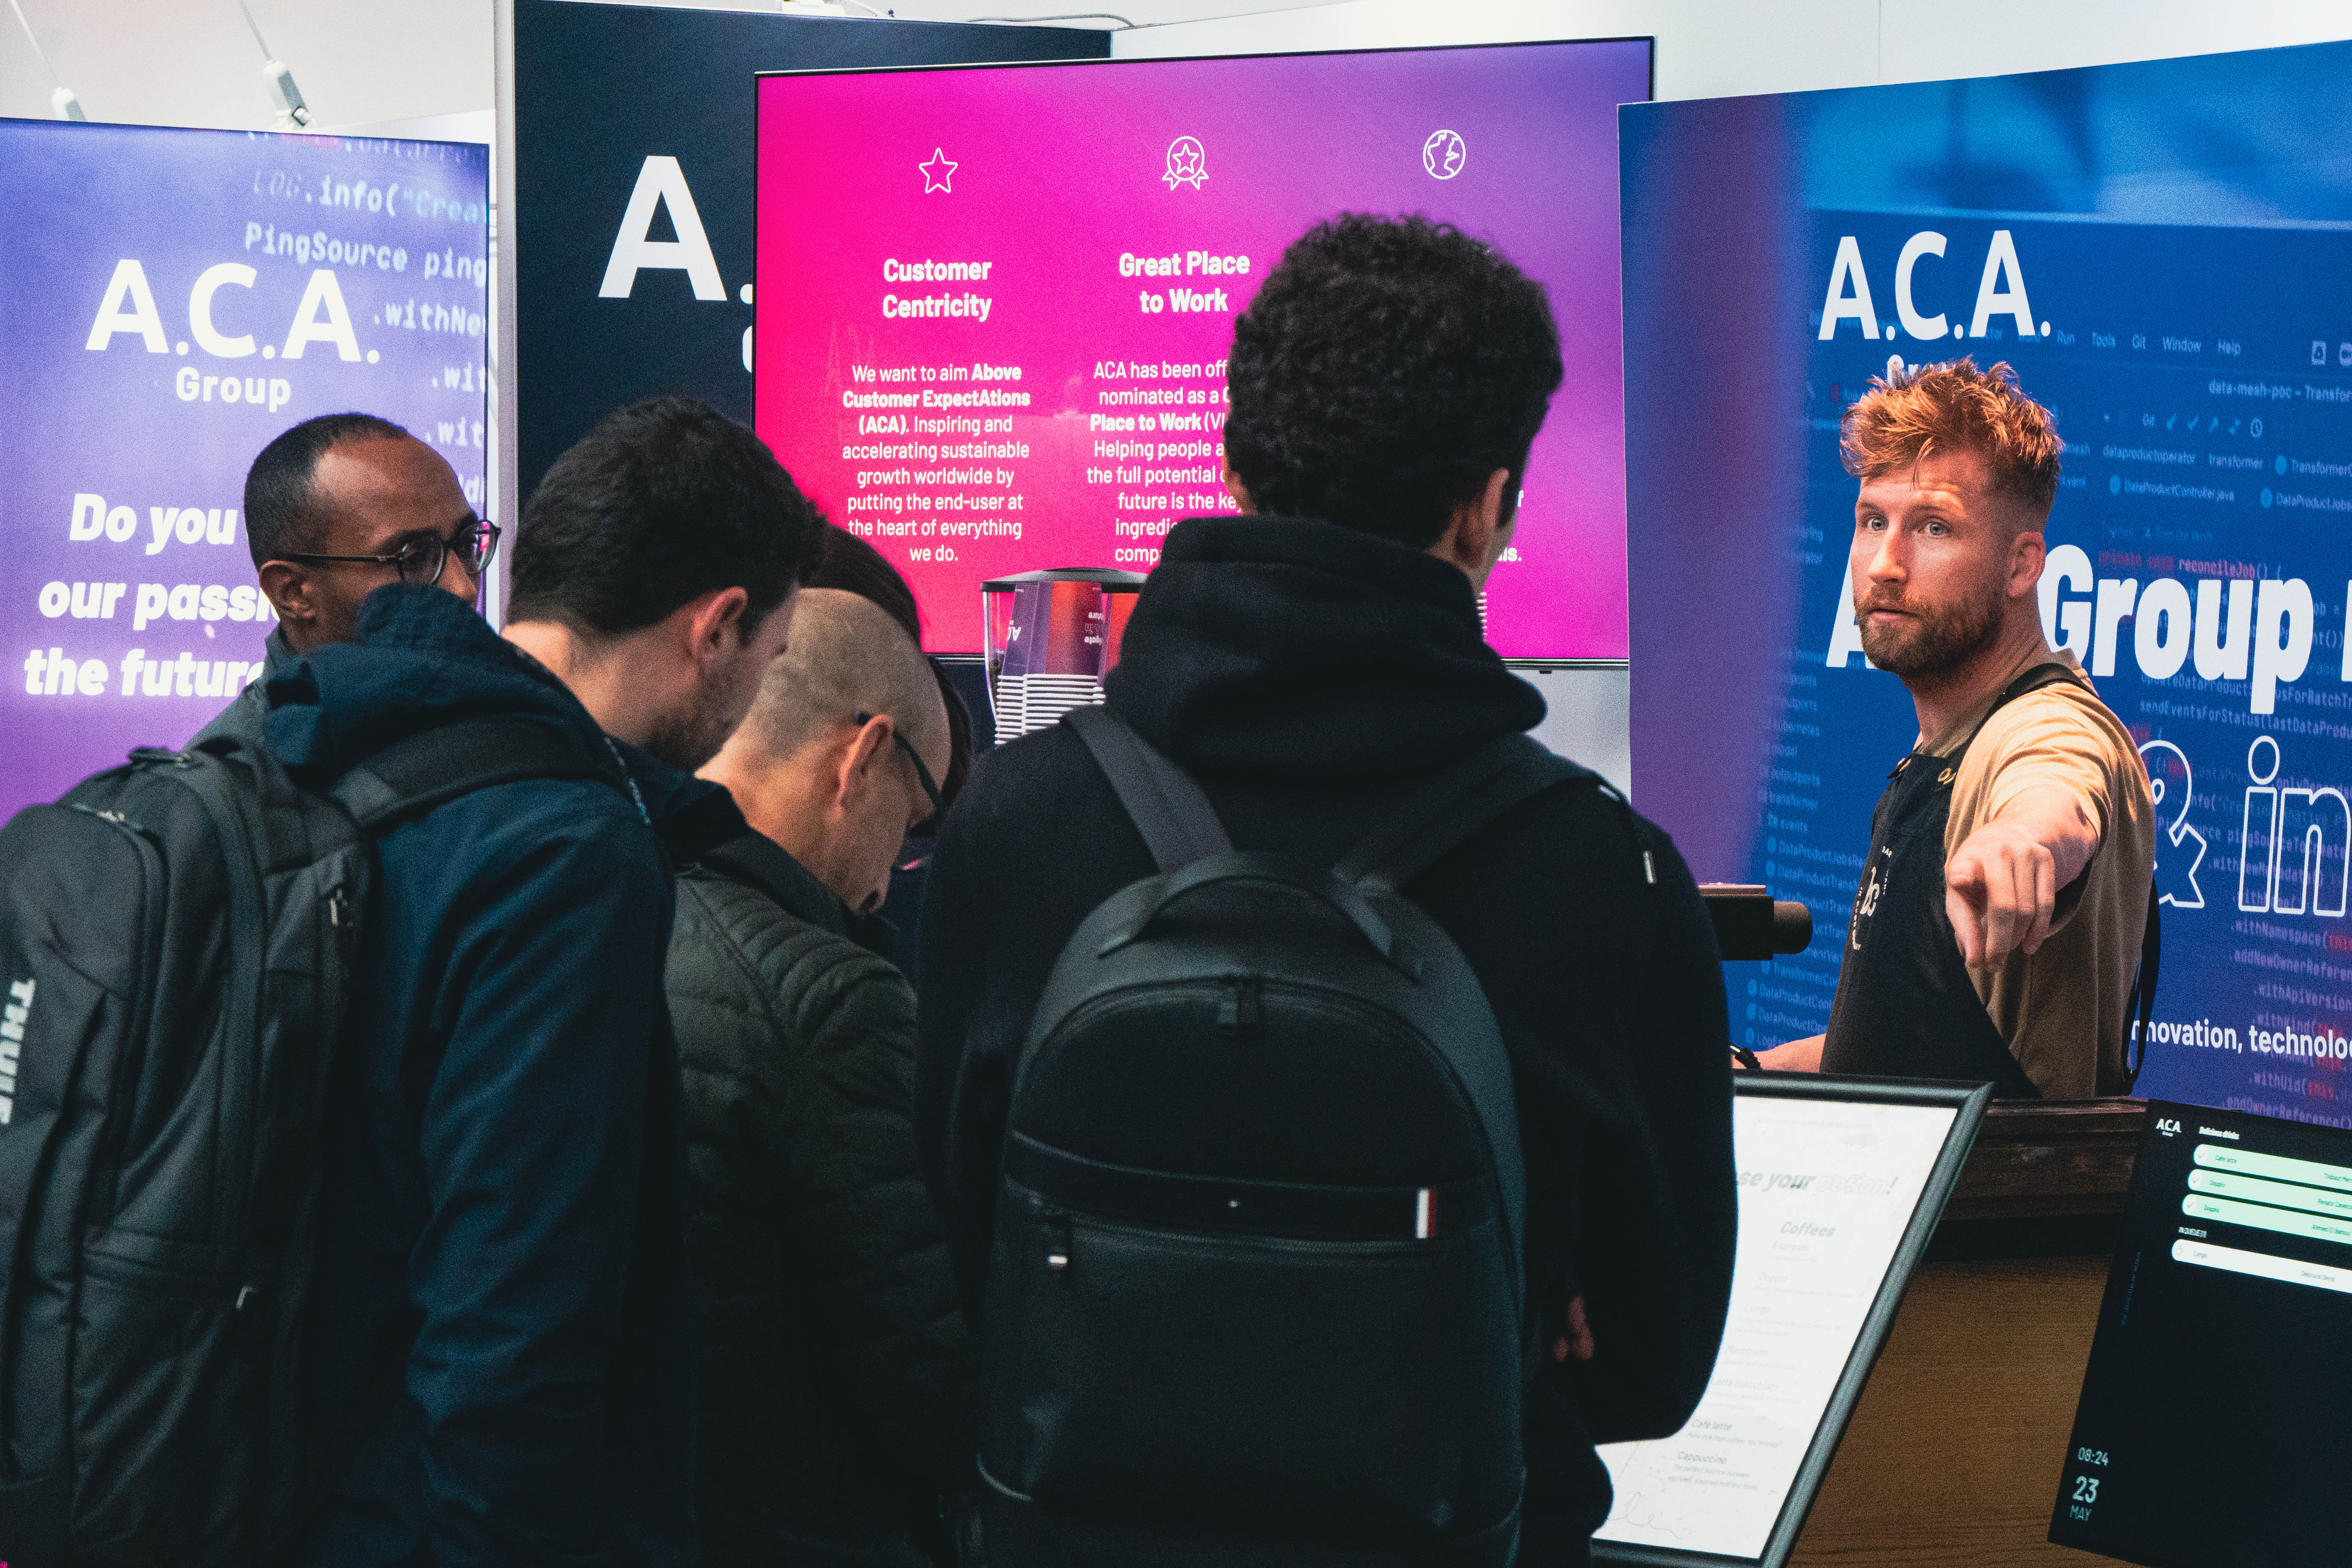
922 773
423 559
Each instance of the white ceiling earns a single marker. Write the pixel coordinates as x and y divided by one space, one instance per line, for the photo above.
192 62
366 63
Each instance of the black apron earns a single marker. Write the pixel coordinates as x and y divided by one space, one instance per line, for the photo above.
1905 1006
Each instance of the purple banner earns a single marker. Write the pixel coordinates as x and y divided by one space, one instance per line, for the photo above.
996 302
169 302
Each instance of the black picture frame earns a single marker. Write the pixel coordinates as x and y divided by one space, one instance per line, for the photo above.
971 666
1968 1102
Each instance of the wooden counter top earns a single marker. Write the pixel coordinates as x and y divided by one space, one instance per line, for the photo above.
2049 1157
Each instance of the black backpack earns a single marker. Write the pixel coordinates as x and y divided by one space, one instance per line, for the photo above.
176 943
1255 1292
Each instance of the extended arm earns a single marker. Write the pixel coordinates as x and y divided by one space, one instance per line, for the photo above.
2002 883
1795 1055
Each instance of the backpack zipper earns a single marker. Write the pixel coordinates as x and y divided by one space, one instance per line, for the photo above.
1237 1008
1057 1242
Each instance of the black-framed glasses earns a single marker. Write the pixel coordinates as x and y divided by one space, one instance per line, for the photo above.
922 773
423 558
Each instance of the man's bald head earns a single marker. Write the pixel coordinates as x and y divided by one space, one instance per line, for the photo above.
847 655
816 764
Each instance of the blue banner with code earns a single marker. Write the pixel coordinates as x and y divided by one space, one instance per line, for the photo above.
2164 254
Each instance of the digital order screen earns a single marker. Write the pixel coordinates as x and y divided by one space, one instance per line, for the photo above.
995 304
2215 1427
1829 1188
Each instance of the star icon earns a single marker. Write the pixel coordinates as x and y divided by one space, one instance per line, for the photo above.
938 172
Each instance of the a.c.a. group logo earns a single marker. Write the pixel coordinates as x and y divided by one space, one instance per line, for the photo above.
2001 291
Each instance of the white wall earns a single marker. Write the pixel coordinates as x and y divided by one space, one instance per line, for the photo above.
192 62
1711 48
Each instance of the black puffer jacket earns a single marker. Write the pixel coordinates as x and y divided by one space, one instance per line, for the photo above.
836 1375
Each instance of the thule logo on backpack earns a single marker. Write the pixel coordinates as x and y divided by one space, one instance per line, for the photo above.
12 1040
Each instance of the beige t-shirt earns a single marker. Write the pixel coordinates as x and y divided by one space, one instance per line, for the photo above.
2062 1009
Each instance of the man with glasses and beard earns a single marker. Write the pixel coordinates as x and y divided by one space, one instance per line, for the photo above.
334 508
1996 928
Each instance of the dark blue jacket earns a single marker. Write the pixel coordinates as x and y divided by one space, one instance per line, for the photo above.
504 1354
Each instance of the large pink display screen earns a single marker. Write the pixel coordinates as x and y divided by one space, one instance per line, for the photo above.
993 303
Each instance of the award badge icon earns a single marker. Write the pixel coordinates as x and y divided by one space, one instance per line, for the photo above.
1187 163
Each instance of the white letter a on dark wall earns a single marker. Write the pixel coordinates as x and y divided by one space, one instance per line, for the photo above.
661 181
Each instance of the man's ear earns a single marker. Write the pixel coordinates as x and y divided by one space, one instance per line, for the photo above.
1469 540
714 623
2026 555
287 585
1234 486
862 748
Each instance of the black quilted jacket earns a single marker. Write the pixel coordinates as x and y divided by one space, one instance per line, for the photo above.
835 1372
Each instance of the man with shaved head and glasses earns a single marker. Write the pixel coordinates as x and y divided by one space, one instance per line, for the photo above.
835 1419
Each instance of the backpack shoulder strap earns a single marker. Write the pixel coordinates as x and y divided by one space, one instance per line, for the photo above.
2141 1005
413 775
2049 673
1176 820
1437 818
1444 811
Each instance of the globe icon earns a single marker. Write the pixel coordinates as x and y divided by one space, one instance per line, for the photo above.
1442 154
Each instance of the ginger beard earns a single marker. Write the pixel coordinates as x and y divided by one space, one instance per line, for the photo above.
1932 639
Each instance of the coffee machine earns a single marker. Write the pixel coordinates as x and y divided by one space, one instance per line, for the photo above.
1051 637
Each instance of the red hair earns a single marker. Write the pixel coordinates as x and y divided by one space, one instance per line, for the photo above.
1910 413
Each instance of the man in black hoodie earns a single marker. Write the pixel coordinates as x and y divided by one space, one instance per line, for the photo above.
1312 663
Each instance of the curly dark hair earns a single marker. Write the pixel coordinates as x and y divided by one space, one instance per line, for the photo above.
660 504
1387 367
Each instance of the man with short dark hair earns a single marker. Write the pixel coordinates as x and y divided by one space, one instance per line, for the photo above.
836 1394
1313 664
334 508
501 1367
635 573
1996 923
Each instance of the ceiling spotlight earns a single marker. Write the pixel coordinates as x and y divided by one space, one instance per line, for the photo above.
62 102
292 111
